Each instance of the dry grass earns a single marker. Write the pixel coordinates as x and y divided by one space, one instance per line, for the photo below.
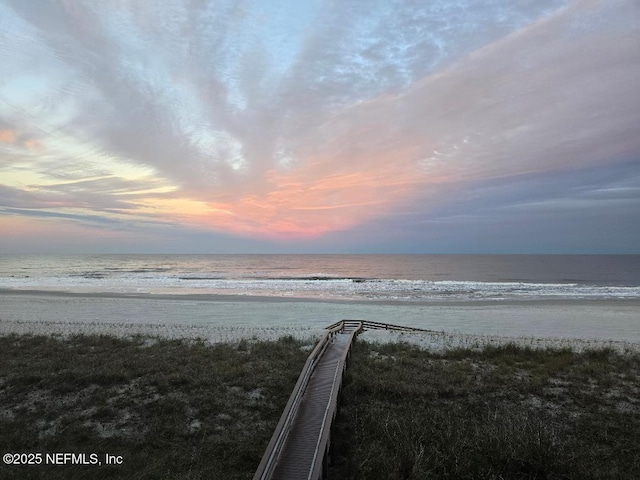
185 409
172 409
502 412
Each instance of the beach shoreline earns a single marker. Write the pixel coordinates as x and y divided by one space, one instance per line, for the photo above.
217 297
230 318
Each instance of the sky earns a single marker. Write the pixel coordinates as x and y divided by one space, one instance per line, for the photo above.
288 126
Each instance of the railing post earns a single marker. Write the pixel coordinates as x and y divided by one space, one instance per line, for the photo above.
323 452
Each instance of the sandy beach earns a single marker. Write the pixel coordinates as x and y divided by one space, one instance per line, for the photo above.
230 318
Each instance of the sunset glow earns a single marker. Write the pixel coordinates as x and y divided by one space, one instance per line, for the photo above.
282 122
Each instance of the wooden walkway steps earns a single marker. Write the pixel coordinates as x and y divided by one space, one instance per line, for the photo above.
299 446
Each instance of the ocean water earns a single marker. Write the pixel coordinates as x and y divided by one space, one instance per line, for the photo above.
382 278
469 298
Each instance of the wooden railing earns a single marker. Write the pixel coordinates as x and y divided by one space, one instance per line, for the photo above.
316 469
367 325
272 453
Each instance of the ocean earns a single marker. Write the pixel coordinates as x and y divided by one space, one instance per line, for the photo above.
369 278
464 300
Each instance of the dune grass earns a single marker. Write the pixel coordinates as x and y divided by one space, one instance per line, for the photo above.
500 413
171 409
185 409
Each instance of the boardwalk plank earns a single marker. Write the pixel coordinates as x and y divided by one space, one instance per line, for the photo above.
296 458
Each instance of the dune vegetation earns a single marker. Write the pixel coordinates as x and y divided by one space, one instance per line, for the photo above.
171 409
503 412
188 409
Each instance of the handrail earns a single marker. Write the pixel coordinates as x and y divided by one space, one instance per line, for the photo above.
316 468
269 460
313 468
383 326
279 437
339 323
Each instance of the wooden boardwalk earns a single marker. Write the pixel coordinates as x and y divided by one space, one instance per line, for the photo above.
299 447
303 452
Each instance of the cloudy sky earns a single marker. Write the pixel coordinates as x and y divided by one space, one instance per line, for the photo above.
320 126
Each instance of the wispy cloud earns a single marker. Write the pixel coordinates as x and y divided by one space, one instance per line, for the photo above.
299 120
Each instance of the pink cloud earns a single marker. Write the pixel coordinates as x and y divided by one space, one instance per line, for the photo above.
550 97
279 154
7 136
10 136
